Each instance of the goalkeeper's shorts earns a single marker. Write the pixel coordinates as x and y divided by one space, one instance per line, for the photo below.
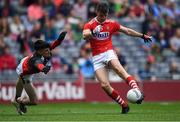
19 70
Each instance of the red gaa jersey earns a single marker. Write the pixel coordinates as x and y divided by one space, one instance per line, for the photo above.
102 41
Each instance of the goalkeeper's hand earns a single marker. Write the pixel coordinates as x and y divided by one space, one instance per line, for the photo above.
46 69
147 39
62 35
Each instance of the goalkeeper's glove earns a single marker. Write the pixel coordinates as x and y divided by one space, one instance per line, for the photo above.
147 39
62 35
46 69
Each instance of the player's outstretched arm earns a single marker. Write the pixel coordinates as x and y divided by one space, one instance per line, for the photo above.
57 42
134 33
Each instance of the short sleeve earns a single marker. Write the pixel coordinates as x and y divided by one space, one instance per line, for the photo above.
116 26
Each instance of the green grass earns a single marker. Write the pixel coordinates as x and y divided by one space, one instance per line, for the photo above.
93 112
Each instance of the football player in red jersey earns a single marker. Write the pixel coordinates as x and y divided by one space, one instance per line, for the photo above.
39 61
98 32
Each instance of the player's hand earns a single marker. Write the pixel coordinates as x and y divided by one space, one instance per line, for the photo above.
147 39
46 69
97 29
62 35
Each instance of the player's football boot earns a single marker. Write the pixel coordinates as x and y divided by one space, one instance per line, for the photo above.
17 106
125 109
23 108
141 99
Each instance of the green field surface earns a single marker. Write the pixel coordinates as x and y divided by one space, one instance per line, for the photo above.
93 112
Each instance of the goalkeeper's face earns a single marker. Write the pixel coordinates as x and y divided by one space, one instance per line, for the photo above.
45 52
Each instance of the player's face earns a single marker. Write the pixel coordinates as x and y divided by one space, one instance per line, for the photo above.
101 17
45 52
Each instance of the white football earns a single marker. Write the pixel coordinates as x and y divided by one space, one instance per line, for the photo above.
133 95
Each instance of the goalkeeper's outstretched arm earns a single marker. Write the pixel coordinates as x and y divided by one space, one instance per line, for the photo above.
59 40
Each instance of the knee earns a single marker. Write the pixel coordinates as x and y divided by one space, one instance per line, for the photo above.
105 85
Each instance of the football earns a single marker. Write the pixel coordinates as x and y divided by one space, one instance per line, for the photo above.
133 95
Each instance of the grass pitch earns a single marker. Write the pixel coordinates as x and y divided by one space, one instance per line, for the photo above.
93 112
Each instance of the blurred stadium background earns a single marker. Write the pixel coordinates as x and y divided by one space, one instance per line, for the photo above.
156 66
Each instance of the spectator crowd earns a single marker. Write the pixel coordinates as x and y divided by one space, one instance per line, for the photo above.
24 21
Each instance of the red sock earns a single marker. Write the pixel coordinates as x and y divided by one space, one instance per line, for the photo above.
131 82
115 96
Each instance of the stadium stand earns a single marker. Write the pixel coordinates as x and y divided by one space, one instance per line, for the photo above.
19 28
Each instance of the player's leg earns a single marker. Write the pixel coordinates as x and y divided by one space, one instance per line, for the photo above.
118 68
19 84
30 90
19 88
102 77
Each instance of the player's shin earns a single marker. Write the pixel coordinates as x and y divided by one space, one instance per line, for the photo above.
116 97
113 93
131 82
19 88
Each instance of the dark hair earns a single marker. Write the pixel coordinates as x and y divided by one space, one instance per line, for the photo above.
40 44
103 7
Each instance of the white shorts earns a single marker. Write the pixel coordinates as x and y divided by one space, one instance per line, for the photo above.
102 59
19 70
